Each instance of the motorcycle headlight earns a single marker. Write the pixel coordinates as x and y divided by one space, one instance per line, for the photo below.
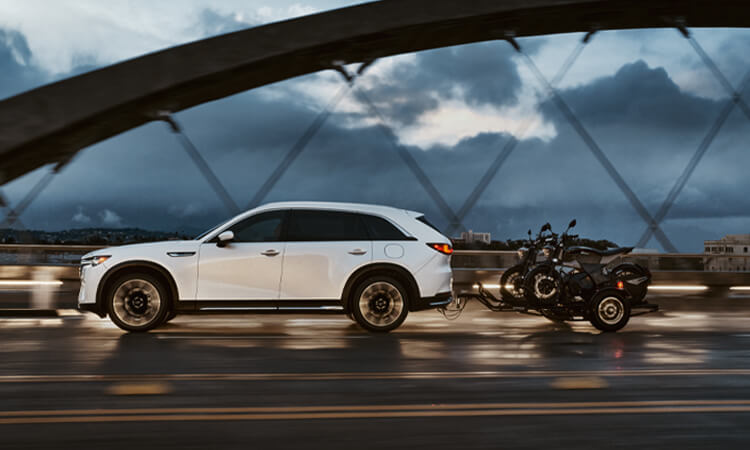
547 251
522 252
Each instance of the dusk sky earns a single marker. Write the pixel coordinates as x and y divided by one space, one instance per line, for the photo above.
644 96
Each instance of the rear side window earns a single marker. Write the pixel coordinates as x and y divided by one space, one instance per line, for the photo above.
382 230
424 220
312 225
264 227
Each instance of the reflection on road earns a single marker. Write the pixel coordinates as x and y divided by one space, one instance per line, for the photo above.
429 374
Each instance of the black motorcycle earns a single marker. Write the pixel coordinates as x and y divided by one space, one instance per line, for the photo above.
579 281
573 283
513 280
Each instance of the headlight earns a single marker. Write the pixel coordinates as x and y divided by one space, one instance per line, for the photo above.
94 260
522 252
99 259
547 251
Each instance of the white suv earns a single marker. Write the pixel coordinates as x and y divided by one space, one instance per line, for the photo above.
374 263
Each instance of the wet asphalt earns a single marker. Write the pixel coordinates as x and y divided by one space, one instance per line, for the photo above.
679 378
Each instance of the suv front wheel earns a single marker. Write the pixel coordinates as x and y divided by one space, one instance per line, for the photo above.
137 302
379 304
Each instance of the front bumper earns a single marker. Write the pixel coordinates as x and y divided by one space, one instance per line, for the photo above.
437 301
90 276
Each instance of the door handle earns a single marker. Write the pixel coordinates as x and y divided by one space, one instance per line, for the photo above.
358 251
270 253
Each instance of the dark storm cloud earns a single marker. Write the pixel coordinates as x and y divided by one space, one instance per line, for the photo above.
639 96
650 129
16 71
479 74
646 125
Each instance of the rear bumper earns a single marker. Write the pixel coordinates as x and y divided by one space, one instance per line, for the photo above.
441 299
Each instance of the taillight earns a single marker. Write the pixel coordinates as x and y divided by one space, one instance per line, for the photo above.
445 249
620 285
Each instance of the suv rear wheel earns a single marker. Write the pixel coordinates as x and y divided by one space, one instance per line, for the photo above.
138 302
379 304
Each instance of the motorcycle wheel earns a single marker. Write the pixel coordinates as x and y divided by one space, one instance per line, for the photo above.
629 270
542 286
511 284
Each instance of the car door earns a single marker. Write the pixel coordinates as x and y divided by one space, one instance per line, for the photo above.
247 268
323 248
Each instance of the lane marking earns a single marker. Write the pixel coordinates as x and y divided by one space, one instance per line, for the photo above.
139 389
77 378
579 383
376 408
240 337
375 414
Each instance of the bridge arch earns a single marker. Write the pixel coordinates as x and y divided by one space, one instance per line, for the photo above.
52 123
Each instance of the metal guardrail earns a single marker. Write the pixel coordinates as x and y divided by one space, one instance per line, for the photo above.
36 254
50 274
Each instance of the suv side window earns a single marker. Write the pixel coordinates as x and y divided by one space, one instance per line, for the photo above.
319 225
263 227
382 230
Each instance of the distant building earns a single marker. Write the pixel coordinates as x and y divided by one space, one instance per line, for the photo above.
728 254
470 237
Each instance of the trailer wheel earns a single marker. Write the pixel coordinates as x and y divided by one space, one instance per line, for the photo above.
609 311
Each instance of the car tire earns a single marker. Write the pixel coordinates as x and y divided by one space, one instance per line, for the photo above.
379 304
170 315
609 310
138 302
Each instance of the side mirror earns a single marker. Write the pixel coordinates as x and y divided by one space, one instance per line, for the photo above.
529 233
225 238
572 223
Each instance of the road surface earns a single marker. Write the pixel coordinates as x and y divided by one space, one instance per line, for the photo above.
675 379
